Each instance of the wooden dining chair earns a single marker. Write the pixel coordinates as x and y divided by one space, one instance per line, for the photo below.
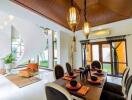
128 86
124 78
59 72
56 92
69 68
96 64
115 88
108 95
130 93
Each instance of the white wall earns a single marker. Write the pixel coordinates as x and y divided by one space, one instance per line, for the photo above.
65 48
18 11
9 7
117 28
5 45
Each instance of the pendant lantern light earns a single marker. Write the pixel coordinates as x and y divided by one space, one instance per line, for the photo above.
73 20
73 17
86 27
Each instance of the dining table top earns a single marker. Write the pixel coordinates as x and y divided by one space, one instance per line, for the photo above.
94 92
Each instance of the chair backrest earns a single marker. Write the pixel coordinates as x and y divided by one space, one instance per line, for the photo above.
68 67
59 72
124 79
56 92
129 97
96 64
128 86
125 76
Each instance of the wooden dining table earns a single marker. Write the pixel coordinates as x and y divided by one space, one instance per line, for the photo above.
94 92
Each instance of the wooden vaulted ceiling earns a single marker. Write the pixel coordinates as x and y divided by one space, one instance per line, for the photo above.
99 12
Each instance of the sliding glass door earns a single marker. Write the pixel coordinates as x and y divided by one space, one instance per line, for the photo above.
106 58
95 52
119 60
112 55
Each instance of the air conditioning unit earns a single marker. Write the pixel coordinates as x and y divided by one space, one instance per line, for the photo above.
102 32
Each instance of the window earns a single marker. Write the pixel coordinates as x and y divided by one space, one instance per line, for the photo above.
51 45
17 47
44 56
55 48
111 54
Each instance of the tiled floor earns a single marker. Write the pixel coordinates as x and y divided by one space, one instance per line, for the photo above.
35 91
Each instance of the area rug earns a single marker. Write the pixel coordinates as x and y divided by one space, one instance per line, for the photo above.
21 81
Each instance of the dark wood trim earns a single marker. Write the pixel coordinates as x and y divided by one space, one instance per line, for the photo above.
102 42
111 58
111 39
91 52
126 52
82 55
114 62
100 53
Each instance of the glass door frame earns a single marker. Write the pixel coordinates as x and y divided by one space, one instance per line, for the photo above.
100 43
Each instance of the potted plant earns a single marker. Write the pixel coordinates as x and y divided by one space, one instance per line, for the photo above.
8 60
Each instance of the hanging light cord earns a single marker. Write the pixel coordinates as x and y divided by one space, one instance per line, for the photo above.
71 2
85 8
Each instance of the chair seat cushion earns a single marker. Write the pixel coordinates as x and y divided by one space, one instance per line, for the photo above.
115 88
107 95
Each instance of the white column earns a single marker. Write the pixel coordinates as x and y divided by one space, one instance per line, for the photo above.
65 48
58 48
50 47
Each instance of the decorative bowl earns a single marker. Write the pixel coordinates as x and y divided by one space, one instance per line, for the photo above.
99 71
73 83
94 78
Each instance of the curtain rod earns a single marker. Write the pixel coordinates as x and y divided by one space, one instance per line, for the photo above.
107 38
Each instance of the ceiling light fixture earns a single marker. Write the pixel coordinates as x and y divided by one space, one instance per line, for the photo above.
73 18
86 27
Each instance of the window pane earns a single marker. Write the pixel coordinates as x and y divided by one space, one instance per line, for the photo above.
43 59
16 41
107 68
106 52
122 68
95 52
88 53
55 48
18 54
17 47
22 48
121 52
120 58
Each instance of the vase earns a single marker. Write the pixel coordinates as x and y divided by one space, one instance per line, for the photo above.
2 67
8 68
